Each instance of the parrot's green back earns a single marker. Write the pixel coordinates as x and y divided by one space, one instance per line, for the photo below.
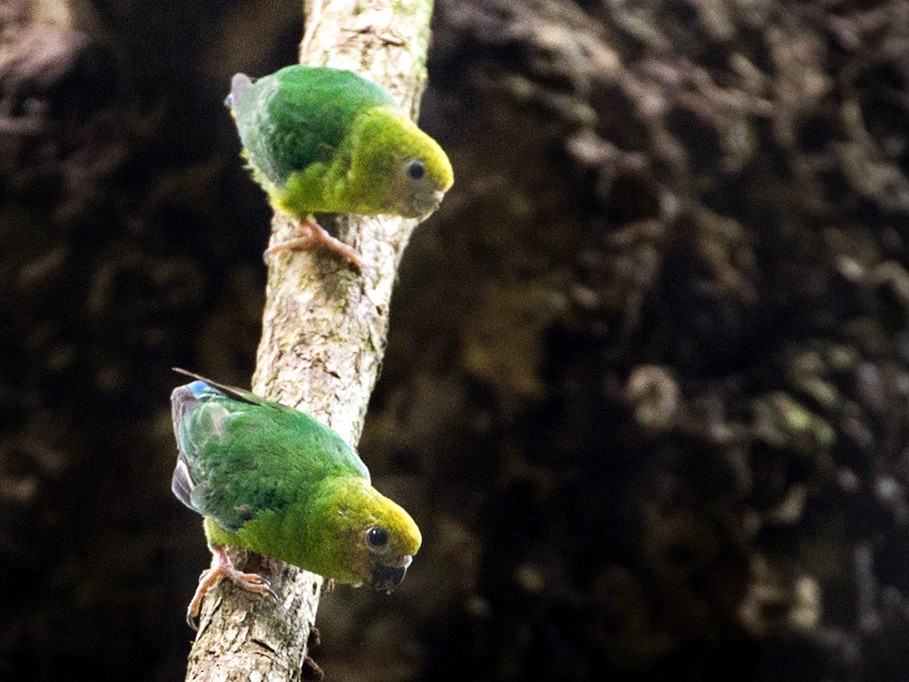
300 115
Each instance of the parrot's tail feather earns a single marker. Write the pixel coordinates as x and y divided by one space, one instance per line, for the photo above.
239 84
184 394
186 372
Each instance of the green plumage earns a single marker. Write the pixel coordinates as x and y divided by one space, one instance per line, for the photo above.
325 140
300 115
284 453
273 480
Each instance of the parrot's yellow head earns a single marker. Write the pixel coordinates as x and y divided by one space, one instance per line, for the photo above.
401 169
370 539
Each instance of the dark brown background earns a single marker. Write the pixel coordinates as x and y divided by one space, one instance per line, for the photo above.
646 387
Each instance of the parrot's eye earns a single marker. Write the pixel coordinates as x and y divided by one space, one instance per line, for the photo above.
377 539
415 170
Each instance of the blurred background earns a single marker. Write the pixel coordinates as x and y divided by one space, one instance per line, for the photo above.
646 386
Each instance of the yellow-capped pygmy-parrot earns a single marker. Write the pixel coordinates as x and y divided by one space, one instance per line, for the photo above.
324 140
273 480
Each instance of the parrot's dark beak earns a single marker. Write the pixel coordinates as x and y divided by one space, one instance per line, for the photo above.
437 197
387 578
423 205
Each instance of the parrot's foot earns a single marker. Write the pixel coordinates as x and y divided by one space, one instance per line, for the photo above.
223 567
313 235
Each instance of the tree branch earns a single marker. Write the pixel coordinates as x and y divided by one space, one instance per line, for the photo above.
324 334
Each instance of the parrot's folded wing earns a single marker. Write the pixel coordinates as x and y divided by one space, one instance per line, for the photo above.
299 116
197 494
211 476
241 455
280 133
191 482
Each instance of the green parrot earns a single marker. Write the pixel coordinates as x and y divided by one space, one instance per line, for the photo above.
323 140
273 480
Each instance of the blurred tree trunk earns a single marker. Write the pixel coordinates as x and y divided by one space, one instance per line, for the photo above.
684 317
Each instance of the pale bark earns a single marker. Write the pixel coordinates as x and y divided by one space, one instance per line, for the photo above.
324 334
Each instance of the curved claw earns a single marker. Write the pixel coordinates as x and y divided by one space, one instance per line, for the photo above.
223 567
253 582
